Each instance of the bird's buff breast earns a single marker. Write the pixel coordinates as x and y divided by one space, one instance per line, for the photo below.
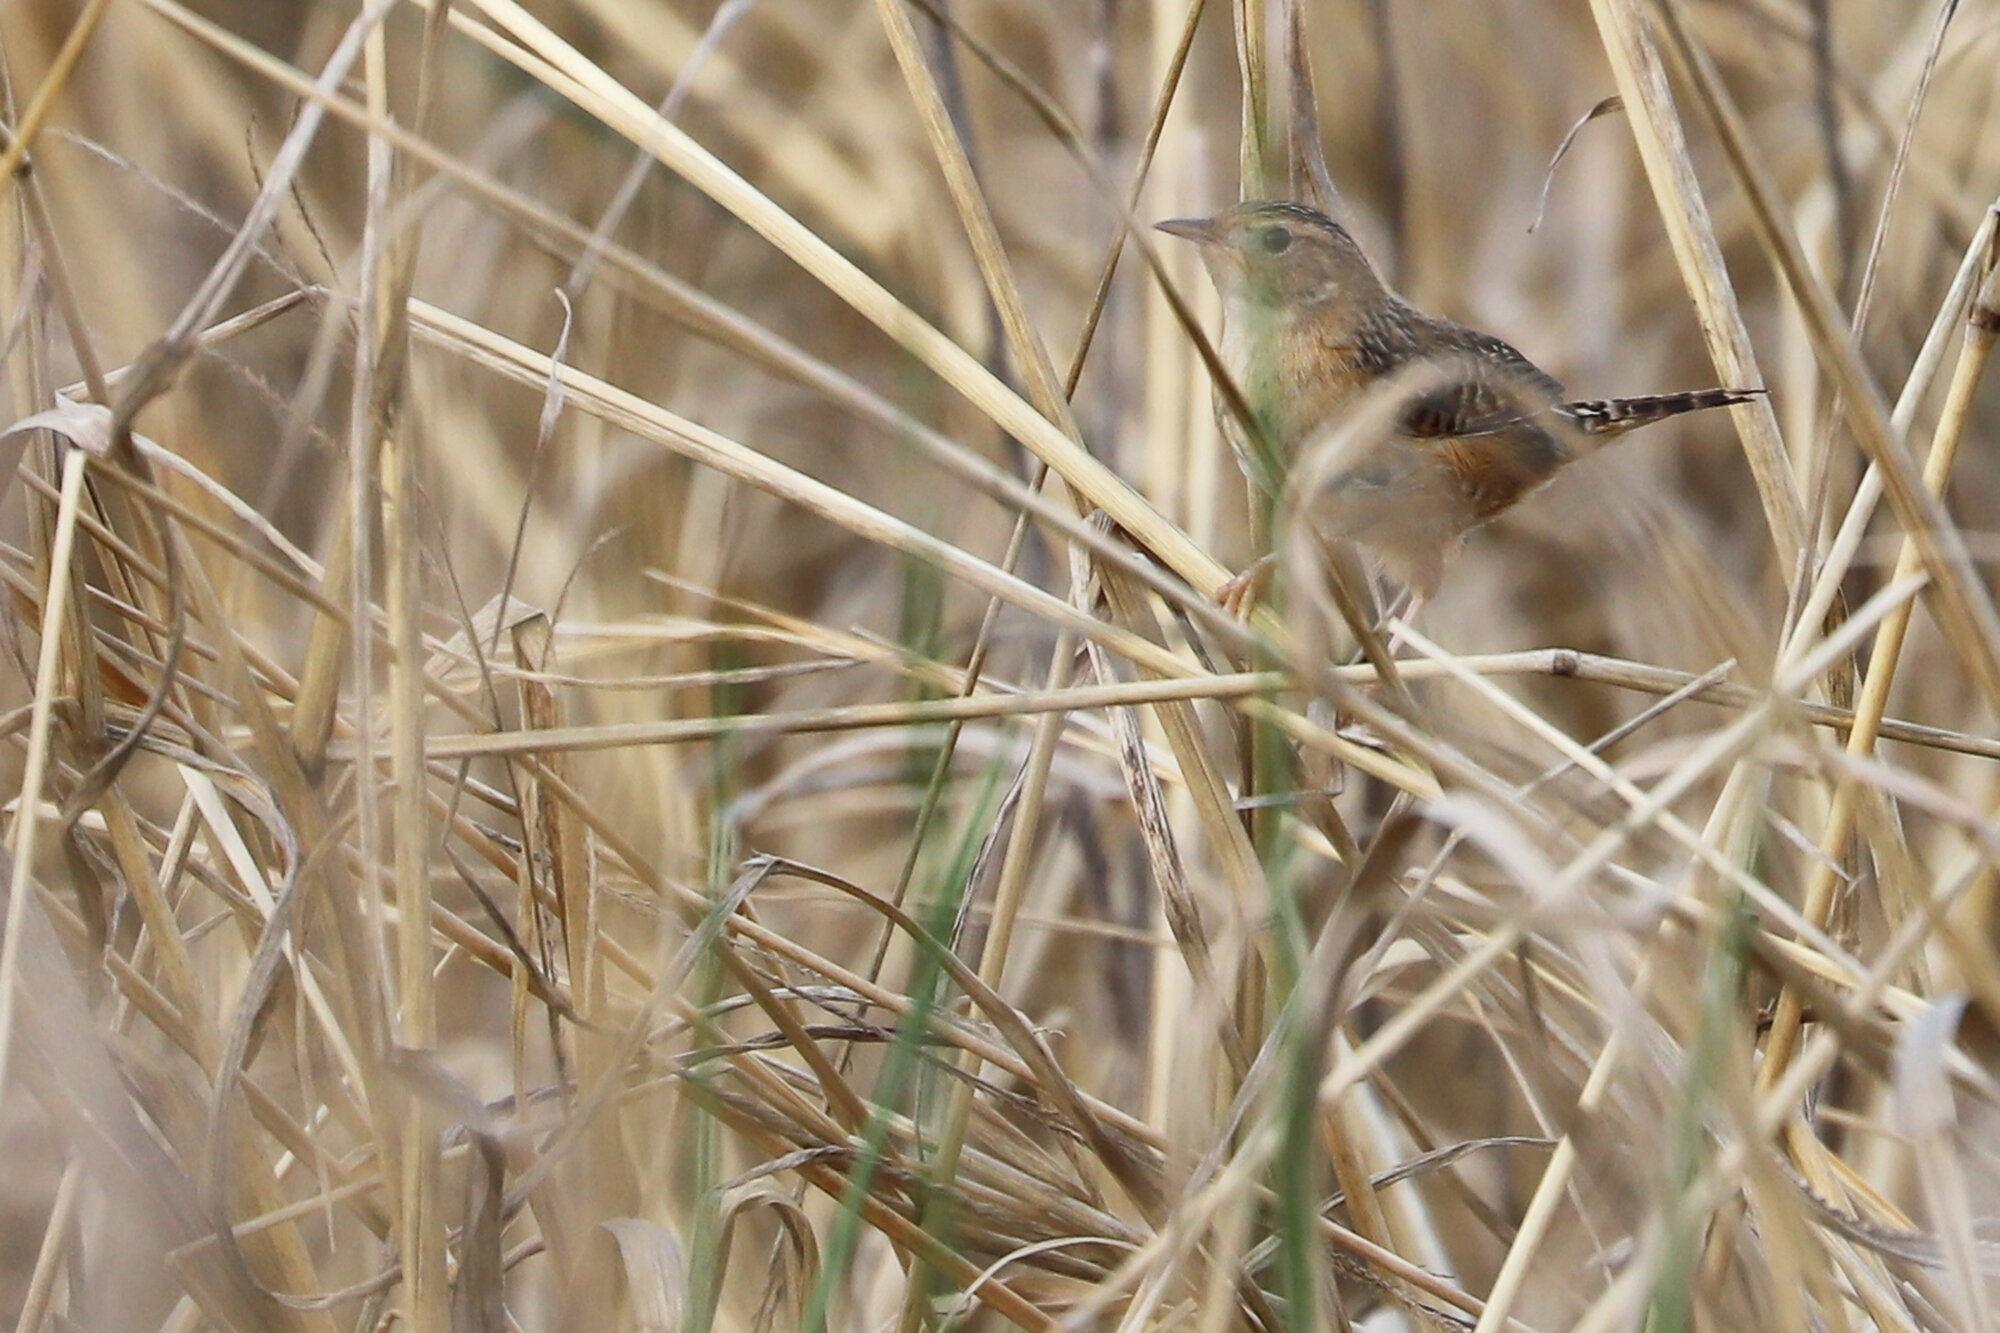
1294 385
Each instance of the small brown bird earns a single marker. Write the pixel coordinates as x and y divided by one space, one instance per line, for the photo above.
1308 328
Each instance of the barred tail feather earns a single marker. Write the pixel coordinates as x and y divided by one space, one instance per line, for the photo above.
1615 416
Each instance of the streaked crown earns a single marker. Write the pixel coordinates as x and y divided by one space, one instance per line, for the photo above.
1272 252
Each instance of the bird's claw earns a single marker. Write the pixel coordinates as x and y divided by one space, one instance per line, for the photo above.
1238 594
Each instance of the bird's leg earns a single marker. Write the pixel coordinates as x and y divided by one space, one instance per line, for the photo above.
1402 609
1419 565
1239 594
1394 608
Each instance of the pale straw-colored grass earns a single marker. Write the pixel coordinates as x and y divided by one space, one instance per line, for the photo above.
620 721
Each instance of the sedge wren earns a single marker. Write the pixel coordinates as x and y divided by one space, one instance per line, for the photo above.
1308 328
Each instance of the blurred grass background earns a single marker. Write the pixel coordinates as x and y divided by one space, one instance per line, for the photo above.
707 1005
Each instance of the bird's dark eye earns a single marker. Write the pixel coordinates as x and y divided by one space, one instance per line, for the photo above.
1274 240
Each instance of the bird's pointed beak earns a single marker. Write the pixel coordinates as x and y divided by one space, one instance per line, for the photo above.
1199 230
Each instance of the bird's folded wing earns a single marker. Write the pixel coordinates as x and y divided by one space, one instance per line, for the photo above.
1489 388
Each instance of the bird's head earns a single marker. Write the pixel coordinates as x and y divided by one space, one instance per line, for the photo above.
1280 257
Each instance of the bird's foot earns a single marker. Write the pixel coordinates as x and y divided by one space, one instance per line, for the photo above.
1238 595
